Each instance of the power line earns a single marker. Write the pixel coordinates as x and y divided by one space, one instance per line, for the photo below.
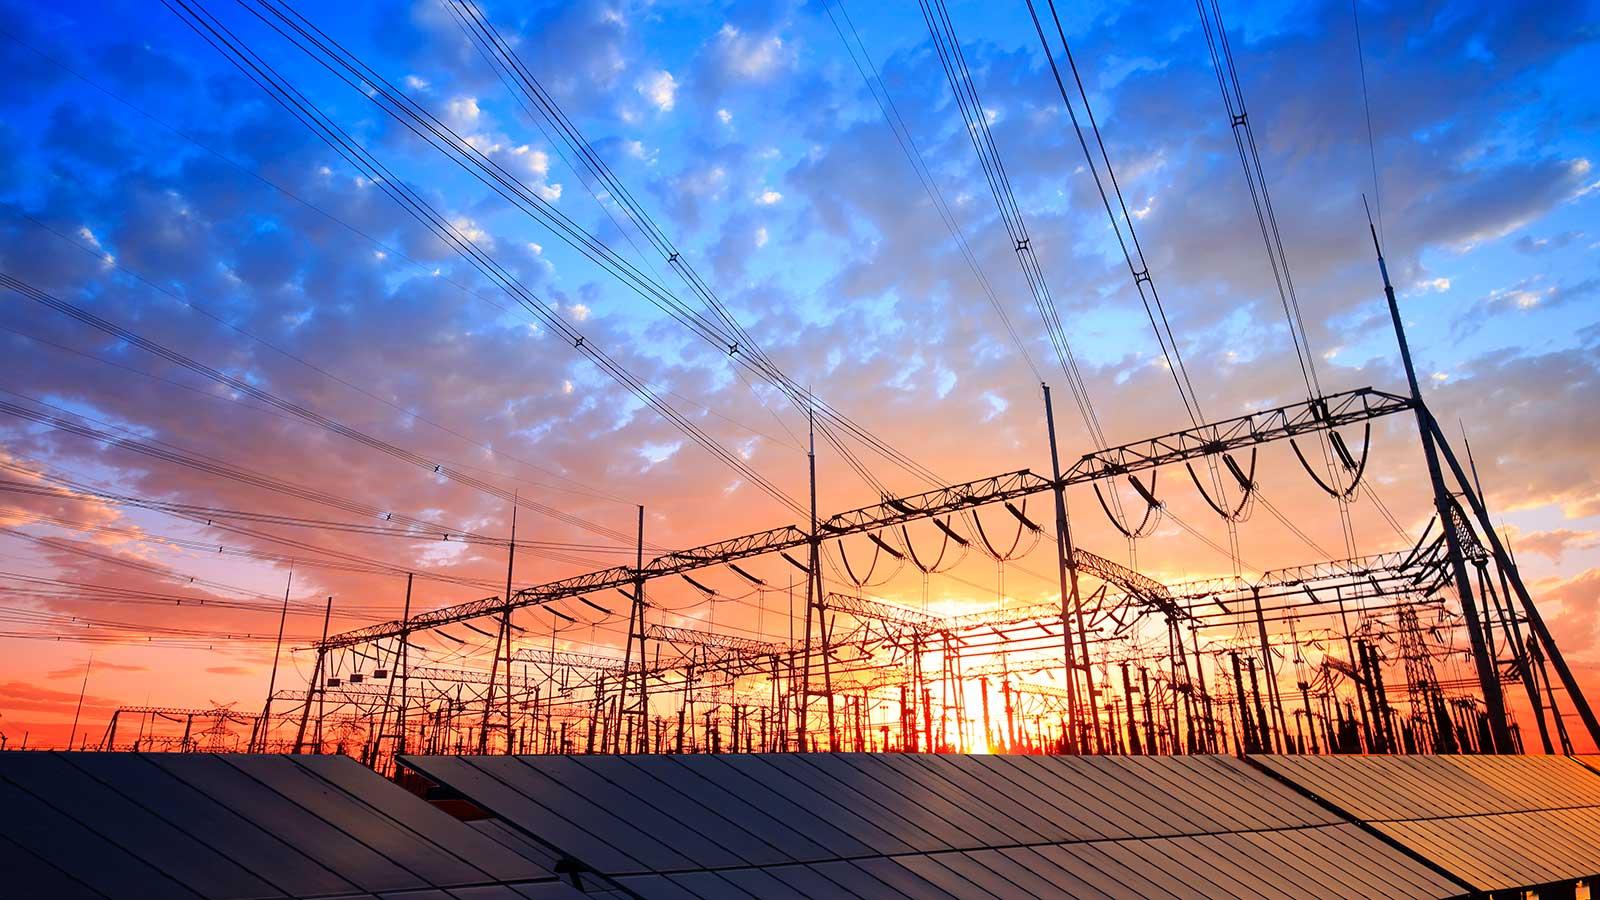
862 61
262 74
941 30
1138 267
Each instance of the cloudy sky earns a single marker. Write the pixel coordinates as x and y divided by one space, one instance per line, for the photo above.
234 317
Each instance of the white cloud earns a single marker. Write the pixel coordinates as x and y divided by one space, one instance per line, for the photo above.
463 112
724 116
661 89
537 164
639 151
579 312
761 236
1434 285
470 230
768 197
751 57
416 82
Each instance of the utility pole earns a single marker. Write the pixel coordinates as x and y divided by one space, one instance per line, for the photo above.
1535 621
1067 576
1445 506
258 736
82 692
635 644
815 543
405 671
315 689
502 637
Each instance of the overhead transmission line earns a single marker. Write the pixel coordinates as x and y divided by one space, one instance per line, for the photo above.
1232 90
76 424
1244 140
261 395
976 124
547 114
264 76
103 260
387 249
62 488
862 60
1132 251
722 331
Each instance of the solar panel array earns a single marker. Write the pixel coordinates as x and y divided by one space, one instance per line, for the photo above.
177 826
1495 822
100 825
873 825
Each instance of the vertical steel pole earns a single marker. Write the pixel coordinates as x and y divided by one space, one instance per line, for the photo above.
1488 678
258 740
1067 575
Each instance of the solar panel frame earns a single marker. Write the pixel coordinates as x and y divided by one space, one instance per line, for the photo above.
521 811
476 849
213 823
750 847
854 879
61 841
1115 856
833 774
1104 820
1042 787
312 836
1101 877
786 844
1031 827
643 819
657 886
901 879
963 865
1031 883
139 830
708 885
928 868
405 848
38 878
809 881
760 882
907 779
1063 877
717 776
816 795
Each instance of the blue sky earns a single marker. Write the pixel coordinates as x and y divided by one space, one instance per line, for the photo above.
748 133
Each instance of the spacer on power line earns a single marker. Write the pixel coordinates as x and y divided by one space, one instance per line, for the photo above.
1239 120
1141 275
1022 245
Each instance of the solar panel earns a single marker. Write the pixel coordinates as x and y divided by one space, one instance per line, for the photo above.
1495 822
133 827
237 828
929 825
65 843
33 876
493 859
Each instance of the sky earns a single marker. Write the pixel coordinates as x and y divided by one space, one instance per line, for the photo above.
147 184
